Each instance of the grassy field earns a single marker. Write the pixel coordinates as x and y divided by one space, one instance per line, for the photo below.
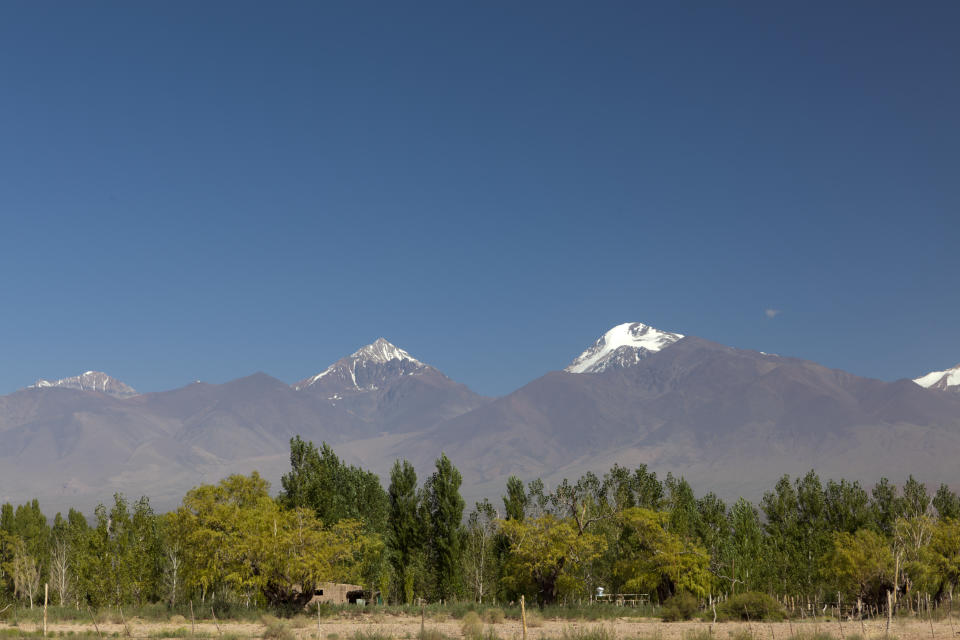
388 623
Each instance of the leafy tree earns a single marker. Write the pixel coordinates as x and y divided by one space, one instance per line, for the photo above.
658 560
798 531
547 555
682 504
405 528
942 556
847 506
739 562
884 507
446 532
861 564
515 502
480 555
916 500
946 503
319 480
637 489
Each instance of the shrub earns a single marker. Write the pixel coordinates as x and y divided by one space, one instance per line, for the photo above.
495 615
181 632
595 633
300 622
373 635
534 619
276 630
682 606
471 625
431 634
751 605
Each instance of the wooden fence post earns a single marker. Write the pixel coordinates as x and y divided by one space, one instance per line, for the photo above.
889 611
46 595
523 617
94 618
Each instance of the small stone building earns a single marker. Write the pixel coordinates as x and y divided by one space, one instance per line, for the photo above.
337 593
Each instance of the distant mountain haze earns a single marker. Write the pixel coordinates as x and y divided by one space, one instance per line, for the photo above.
729 420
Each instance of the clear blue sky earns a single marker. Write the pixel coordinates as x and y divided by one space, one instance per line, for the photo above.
205 190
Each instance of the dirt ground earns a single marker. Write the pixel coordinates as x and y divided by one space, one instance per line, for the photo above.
409 627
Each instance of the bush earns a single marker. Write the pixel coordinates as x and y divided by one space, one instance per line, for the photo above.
373 635
751 605
300 622
534 619
682 606
495 615
431 634
276 630
472 625
595 633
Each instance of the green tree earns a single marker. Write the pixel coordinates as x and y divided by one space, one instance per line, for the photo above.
915 501
405 533
658 560
515 502
884 507
446 531
319 480
942 556
861 565
946 503
480 553
547 556
742 559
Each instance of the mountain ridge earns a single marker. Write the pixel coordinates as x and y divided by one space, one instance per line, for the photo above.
728 416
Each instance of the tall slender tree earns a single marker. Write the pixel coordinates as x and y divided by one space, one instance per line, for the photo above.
446 531
405 532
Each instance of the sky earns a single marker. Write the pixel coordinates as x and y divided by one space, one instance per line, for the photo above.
206 190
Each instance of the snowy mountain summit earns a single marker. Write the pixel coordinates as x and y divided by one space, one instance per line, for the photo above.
89 381
948 380
624 345
366 369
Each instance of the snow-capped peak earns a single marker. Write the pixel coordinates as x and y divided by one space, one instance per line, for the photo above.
89 381
942 380
382 351
366 367
624 345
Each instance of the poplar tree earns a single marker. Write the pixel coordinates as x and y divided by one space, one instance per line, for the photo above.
446 531
404 534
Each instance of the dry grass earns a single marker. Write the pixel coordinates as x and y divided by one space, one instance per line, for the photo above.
408 628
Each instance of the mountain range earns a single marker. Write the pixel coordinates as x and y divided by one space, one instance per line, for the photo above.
729 420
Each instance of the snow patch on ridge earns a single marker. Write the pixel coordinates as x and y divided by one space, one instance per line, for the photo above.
89 381
941 380
624 345
379 352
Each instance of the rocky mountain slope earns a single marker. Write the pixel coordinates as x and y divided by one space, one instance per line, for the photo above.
729 420
75 442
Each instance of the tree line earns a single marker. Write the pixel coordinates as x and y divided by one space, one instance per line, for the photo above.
234 544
